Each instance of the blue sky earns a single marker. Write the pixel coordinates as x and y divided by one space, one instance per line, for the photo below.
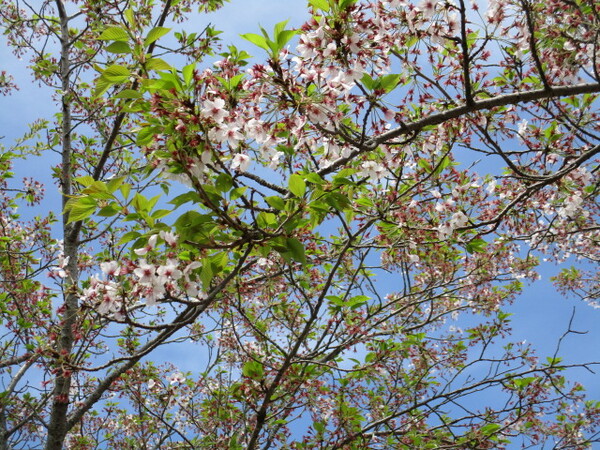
541 315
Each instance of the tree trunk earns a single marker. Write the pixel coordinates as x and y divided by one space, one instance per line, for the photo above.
57 427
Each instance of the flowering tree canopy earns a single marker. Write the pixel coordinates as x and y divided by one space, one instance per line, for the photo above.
309 225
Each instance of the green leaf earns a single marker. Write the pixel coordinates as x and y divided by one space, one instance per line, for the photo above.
553 361
279 27
337 200
389 82
185 198
257 40
125 189
102 86
276 202
157 64
253 369
140 203
160 213
116 74
345 3
335 300
195 226
169 81
386 83
206 276
521 383
145 136
85 180
224 182
114 34
323 5
297 185
315 178
490 428
98 191
237 193
114 183
80 208
119 47
154 34
110 210
235 81
296 249
219 261
284 37
188 73
319 427
130 17
267 220
152 202
128 93
445 162
476 246
425 164
368 82
365 201
357 302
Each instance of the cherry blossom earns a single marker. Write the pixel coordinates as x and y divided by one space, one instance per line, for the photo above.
215 110
241 162
60 270
110 268
148 247
169 237
145 272
176 378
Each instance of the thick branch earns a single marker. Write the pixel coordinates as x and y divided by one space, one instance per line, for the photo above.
481 105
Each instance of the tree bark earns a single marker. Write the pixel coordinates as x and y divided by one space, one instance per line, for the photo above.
57 427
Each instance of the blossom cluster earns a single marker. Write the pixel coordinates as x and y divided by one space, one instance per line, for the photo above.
125 284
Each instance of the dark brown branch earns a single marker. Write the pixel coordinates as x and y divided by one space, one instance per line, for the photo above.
464 43
481 105
533 46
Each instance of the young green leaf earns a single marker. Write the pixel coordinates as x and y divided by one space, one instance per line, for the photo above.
253 369
476 246
116 74
389 82
157 64
80 208
297 185
276 202
284 37
296 249
128 93
155 34
323 5
114 34
119 47
188 73
257 40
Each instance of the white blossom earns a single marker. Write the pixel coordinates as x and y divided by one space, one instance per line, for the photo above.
176 378
240 162
215 110
169 238
149 246
373 170
145 272
110 268
571 206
